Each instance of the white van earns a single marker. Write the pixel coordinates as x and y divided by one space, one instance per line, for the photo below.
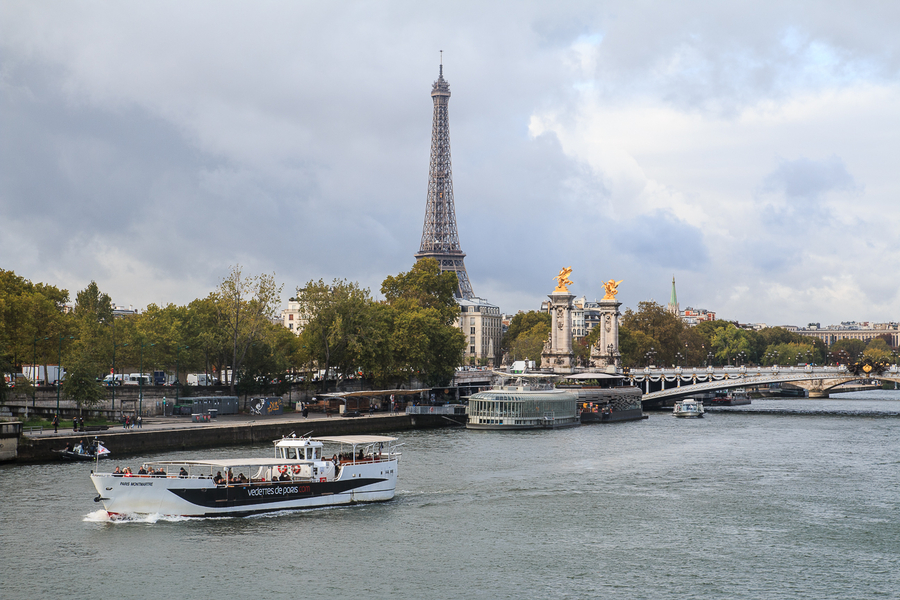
135 379
109 380
200 379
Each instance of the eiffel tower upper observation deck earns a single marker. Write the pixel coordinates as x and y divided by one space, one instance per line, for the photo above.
440 239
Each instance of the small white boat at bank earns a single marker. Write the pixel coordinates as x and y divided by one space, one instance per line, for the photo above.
688 408
363 468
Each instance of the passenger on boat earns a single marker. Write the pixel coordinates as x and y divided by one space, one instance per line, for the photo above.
284 476
142 470
78 448
118 471
127 472
160 472
241 478
218 479
182 473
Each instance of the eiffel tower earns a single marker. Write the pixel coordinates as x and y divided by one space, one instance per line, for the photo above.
440 239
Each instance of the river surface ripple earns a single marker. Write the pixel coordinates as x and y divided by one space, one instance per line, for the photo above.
782 499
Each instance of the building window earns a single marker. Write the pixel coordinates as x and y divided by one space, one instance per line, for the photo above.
290 317
472 331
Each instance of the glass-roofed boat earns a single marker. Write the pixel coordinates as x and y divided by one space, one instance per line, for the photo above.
525 405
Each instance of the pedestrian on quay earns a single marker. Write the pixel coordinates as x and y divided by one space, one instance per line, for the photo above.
305 411
81 423
140 421
74 424
55 423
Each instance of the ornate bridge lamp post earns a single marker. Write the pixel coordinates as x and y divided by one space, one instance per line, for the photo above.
709 359
679 358
742 357
650 355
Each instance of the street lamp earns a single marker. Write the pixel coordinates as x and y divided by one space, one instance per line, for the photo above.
178 350
33 378
709 359
141 382
59 372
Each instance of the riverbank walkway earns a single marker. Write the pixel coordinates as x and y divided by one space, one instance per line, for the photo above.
184 422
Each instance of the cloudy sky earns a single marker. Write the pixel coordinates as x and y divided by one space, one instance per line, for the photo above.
750 149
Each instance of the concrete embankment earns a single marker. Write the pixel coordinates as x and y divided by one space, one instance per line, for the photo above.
160 438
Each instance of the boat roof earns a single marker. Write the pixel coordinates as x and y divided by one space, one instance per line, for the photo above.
588 376
355 439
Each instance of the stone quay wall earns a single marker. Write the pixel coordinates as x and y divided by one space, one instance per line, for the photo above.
211 435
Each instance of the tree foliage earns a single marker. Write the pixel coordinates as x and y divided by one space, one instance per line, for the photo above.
524 338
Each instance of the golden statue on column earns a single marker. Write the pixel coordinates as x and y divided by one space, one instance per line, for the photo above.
562 280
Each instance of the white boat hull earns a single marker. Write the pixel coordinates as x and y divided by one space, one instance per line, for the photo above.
201 497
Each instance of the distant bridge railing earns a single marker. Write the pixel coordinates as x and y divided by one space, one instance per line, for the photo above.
688 380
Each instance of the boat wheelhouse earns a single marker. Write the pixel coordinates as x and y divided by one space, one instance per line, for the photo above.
303 473
523 406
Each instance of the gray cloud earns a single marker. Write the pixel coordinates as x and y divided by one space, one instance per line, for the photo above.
150 152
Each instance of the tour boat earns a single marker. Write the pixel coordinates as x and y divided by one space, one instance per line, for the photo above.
688 408
301 474
522 406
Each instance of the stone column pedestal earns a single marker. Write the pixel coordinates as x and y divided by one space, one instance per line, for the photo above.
605 352
558 353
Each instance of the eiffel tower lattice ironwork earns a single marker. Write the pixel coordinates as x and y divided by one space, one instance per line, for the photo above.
440 239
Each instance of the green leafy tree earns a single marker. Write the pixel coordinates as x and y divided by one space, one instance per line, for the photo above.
425 339
336 324
244 306
659 328
524 338
81 384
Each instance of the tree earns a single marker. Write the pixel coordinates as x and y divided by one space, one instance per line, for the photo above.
81 384
336 314
524 338
660 328
425 337
244 305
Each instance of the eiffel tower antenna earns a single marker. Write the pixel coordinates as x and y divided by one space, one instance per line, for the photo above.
440 239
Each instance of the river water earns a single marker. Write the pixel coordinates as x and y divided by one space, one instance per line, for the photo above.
781 499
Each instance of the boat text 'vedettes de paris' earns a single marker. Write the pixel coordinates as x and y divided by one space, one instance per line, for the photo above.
362 468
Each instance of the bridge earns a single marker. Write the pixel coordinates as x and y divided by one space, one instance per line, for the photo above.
659 384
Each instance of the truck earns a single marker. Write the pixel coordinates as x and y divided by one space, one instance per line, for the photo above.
43 374
161 378
136 379
520 366
114 380
200 379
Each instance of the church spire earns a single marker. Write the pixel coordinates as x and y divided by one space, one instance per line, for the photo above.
673 301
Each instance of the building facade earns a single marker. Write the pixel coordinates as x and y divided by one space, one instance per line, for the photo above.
292 318
482 324
851 330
